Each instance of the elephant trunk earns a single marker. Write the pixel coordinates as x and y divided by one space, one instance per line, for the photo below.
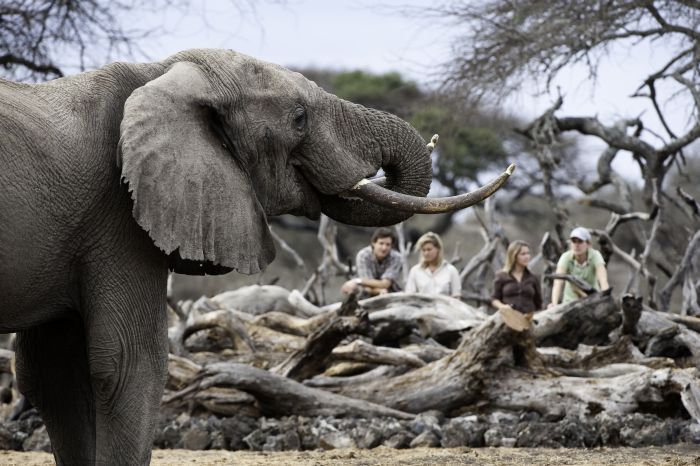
404 157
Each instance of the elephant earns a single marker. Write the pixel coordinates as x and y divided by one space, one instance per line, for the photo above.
114 177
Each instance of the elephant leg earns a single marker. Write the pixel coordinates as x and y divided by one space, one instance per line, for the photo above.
128 355
52 372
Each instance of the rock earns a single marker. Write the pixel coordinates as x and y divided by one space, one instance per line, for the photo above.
333 440
645 430
427 439
570 432
168 436
372 438
234 429
608 429
292 441
575 432
529 416
399 440
389 426
274 443
463 432
691 433
255 440
183 419
38 441
11 438
270 425
196 438
308 433
427 421
29 421
218 442
499 436
502 417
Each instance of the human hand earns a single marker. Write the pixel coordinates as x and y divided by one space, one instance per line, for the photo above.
348 287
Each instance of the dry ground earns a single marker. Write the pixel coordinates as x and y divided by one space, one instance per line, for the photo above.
677 455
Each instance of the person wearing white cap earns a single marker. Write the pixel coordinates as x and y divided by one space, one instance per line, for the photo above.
581 261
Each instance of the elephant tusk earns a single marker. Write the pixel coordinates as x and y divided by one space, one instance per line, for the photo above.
376 194
433 142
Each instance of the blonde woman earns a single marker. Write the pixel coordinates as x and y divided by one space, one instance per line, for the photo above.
433 274
515 286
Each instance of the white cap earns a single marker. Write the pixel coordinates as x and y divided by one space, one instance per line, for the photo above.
580 233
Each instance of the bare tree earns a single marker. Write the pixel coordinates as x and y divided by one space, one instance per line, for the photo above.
40 38
504 43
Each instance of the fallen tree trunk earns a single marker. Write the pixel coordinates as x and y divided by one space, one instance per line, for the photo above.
293 325
223 319
360 351
614 389
659 334
444 307
280 396
587 320
308 361
621 358
453 381
587 357
378 373
347 368
428 352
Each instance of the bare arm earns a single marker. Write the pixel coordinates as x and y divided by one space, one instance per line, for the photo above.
557 288
601 275
455 283
411 286
498 304
375 287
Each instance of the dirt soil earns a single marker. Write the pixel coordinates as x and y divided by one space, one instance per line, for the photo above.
676 455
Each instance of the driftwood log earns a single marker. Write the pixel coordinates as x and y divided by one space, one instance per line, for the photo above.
596 354
310 360
450 382
282 396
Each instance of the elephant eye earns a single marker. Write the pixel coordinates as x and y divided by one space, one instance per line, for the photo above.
299 118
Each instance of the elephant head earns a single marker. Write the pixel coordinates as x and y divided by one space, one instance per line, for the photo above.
220 140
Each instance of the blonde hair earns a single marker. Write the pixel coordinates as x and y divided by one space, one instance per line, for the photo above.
430 238
512 254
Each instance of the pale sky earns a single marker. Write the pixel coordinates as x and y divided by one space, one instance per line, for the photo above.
356 34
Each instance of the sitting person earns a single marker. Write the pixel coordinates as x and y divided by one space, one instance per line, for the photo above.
378 266
433 274
581 261
515 287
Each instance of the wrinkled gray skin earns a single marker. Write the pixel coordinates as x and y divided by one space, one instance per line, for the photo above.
108 178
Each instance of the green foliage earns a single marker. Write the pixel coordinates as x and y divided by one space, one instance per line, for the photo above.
388 91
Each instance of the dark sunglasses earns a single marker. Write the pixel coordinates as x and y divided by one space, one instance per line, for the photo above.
576 240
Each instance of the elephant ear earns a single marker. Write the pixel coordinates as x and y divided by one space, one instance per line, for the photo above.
195 200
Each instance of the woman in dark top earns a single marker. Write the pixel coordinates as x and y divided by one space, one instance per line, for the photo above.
515 286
